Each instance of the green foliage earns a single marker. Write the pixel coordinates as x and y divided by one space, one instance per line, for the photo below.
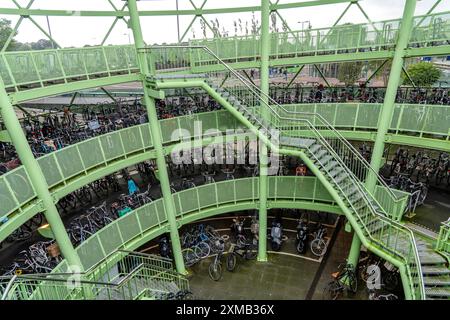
5 31
14 45
423 74
349 72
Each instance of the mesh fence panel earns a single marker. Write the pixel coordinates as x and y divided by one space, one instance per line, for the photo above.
48 64
20 184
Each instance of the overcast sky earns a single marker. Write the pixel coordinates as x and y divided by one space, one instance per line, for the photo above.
78 31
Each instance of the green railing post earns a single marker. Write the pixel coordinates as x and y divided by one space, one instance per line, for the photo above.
263 181
157 139
37 178
387 111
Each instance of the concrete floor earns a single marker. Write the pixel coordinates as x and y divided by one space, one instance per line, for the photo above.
435 210
285 276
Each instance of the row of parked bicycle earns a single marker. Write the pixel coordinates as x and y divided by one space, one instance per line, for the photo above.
378 276
320 94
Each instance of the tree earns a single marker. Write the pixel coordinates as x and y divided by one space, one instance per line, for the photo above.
383 73
423 74
349 72
5 31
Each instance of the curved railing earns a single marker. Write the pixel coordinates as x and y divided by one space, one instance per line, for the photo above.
44 67
18 198
149 221
375 227
24 70
428 31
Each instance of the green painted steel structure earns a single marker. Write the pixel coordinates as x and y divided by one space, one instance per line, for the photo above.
36 186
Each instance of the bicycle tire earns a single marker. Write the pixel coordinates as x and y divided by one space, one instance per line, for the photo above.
318 247
189 257
332 291
202 250
215 271
231 262
251 253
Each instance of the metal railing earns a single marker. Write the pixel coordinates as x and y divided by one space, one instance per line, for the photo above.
428 30
108 279
381 233
38 67
443 240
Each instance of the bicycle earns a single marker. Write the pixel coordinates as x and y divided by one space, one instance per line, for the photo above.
318 245
215 268
247 251
343 280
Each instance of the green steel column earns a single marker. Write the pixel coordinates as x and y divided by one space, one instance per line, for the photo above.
263 179
355 249
157 139
387 111
37 178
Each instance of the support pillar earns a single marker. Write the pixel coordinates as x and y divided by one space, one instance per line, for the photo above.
147 70
387 111
263 159
355 249
37 180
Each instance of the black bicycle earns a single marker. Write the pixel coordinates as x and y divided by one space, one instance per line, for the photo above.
247 251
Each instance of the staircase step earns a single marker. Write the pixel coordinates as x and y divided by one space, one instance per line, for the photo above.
315 148
436 281
319 155
430 257
324 160
443 292
296 142
330 165
435 270
341 178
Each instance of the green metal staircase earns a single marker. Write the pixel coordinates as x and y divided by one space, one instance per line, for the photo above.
121 276
339 167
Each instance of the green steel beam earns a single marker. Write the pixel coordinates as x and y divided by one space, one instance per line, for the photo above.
156 136
265 115
36 177
355 249
108 94
16 27
322 75
295 76
248 77
337 21
387 112
44 32
143 13
408 76
376 71
428 12
366 16
57 89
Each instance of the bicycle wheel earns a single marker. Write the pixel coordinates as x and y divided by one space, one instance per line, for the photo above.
251 252
202 250
318 247
300 247
189 257
332 291
231 262
215 271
